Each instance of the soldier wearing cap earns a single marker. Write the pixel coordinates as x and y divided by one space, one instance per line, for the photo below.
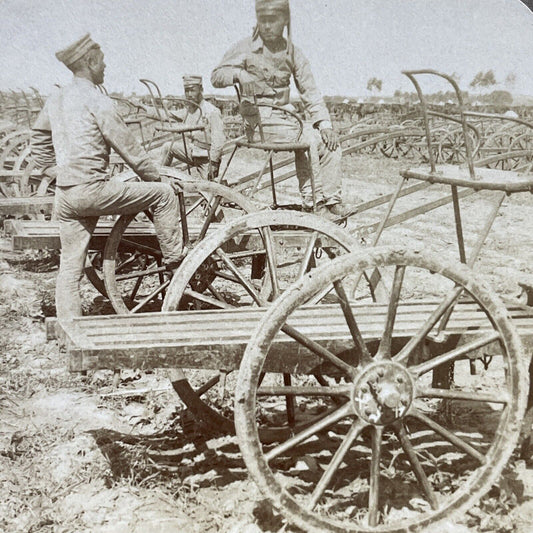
263 65
71 141
200 148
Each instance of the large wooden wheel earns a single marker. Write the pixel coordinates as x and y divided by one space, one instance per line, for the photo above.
498 143
396 146
134 276
523 142
12 157
250 262
452 146
386 456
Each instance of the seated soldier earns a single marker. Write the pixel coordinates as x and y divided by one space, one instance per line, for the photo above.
200 148
263 65
71 140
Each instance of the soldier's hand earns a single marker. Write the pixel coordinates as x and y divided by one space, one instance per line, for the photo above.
330 138
248 84
250 88
173 182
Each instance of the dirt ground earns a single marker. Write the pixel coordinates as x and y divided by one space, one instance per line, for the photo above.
77 455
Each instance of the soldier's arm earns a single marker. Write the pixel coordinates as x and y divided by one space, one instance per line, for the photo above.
122 140
306 85
42 149
231 66
218 137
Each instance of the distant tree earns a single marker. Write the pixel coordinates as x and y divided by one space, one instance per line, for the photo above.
500 98
374 84
489 79
483 80
476 80
510 80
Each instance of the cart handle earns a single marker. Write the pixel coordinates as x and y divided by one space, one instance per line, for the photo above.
411 74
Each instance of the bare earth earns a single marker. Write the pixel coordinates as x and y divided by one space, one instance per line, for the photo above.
77 455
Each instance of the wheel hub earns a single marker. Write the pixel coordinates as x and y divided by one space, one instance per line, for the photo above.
382 393
203 276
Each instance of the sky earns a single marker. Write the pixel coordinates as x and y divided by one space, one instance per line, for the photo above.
346 41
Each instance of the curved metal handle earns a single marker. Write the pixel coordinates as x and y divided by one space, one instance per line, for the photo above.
411 74
154 90
273 106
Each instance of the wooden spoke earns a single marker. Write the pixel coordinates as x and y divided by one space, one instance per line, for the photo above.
352 323
208 385
141 273
452 355
428 325
407 447
308 254
227 277
373 493
245 283
207 299
319 350
333 467
450 394
448 435
131 259
266 235
333 417
289 400
142 248
305 390
135 289
150 297
386 340
215 293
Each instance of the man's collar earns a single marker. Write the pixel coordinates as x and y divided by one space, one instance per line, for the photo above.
258 45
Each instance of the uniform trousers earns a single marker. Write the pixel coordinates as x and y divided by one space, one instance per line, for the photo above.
324 164
192 156
78 208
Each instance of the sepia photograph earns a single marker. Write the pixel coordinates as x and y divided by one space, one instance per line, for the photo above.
266 266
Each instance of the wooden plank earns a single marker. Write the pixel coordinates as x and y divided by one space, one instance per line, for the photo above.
32 242
333 327
10 176
45 235
217 339
12 227
177 321
32 205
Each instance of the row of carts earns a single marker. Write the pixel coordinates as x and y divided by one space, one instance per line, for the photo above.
396 375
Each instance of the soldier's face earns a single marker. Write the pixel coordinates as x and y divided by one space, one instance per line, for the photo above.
193 93
270 25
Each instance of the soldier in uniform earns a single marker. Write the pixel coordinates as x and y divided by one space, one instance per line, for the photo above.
71 141
200 148
263 65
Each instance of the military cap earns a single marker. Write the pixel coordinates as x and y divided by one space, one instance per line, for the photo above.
191 79
262 6
76 50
